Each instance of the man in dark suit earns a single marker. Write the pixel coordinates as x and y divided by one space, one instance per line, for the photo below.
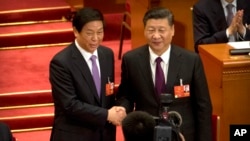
139 89
211 25
5 133
78 76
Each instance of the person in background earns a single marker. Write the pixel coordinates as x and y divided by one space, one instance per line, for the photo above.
214 21
5 133
160 67
138 126
79 75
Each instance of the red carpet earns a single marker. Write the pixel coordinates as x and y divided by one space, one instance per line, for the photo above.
34 136
29 72
43 33
28 117
27 69
26 104
25 98
54 32
45 134
33 10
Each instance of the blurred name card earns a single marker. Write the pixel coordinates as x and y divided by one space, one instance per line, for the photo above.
240 45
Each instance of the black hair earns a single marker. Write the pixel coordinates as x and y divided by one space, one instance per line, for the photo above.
159 13
85 15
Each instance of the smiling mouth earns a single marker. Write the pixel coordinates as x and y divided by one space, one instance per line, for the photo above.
156 43
94 45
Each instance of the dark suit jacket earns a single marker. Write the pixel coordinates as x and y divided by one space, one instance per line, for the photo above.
137 87
210 23
5 133
80 115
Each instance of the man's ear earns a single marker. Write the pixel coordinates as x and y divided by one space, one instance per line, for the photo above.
76 33
173 31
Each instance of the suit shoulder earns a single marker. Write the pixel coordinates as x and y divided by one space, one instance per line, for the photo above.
136 51
64 52
105 48
205 5
184 52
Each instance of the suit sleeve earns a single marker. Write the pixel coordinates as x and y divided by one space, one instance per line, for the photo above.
203 103
247 36
125 92
66 98
202 30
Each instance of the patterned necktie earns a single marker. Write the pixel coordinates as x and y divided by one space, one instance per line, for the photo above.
230 14
95 74
159 77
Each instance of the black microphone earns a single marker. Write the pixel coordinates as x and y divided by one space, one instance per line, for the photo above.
163 131
166 100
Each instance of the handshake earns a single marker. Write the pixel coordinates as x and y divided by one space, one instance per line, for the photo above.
116 114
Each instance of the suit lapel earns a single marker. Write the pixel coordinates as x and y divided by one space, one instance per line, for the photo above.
218 15
174 67
103 70
145 66
243 4
80 63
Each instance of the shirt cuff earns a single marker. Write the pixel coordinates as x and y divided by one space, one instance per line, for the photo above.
227 33
242 36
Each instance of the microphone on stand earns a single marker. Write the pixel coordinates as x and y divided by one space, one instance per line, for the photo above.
169 122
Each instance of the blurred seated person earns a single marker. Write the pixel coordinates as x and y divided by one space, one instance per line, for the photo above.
221 21
5 133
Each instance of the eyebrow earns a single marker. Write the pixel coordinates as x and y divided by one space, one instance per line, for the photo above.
88 29
161 27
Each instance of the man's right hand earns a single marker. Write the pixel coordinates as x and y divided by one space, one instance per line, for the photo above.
236 24
232 29
116 114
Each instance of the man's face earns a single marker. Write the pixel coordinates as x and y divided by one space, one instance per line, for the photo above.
159 34
91 35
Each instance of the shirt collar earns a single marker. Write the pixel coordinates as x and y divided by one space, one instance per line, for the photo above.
84 53
224 3
165 56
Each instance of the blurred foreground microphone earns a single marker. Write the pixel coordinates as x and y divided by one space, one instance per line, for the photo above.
168 122
166 100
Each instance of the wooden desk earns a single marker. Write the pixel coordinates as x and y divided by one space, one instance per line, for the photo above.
229 85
